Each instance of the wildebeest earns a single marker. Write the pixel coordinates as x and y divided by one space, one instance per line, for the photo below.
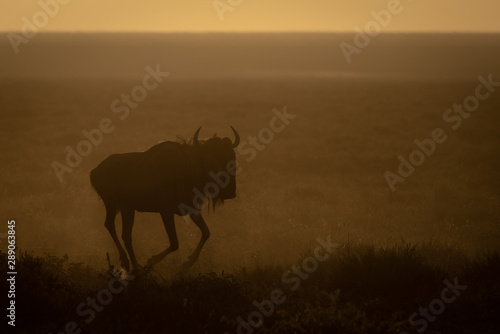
166 179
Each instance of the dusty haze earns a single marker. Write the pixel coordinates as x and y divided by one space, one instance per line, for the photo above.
323 174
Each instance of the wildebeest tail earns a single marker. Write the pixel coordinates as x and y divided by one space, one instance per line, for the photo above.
94 181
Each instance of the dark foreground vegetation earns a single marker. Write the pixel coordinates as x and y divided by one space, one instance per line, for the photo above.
359 289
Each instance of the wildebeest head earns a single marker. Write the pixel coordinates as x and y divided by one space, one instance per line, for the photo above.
220 164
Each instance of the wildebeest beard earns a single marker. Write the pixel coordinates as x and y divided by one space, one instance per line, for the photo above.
215 154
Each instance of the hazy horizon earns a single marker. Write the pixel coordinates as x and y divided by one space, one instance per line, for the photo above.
223 55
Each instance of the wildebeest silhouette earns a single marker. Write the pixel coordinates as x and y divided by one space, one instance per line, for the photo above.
170 178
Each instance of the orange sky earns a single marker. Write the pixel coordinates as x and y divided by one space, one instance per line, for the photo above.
252 15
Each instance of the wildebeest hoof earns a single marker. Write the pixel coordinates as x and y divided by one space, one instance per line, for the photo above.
188 264
125 265
154 260
140 269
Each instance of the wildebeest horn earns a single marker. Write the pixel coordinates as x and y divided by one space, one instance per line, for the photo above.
236 137
195 138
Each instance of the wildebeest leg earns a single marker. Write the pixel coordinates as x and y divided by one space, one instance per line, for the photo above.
110 225
205 234
128 223
169 223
